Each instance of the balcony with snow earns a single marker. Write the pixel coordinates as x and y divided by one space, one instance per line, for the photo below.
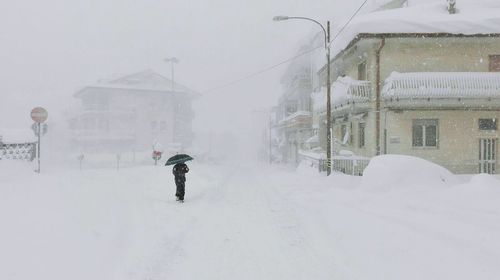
346 94
299 119
442 90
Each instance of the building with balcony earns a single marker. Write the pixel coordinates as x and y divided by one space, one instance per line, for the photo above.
421 86
293 123
131 113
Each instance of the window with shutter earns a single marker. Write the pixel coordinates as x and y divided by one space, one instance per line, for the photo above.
425 133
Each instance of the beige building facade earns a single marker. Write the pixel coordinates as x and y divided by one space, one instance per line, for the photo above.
434 96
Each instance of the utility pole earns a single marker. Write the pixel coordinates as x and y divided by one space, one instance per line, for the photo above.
328 104
172 61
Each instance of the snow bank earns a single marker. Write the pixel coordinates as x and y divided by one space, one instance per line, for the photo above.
484 180
64 224
306 168
14 169
388 172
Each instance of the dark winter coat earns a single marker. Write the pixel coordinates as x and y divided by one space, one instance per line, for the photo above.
180 171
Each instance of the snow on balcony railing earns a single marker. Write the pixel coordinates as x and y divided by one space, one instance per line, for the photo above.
344 90
442 85
295 115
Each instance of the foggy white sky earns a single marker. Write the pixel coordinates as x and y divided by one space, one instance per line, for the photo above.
50 48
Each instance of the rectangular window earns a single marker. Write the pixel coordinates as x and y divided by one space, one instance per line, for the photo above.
351 136
425 133
495 63
343 133
361 135
362 71
418 134
430 135
487 124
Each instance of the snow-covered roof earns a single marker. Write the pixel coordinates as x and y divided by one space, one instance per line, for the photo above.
17 136
147 80
442 85
424 16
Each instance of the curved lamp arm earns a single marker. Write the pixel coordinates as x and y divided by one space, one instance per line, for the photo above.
282 18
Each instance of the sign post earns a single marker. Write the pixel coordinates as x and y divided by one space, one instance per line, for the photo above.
39 115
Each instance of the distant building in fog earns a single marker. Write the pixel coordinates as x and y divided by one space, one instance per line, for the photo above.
133 112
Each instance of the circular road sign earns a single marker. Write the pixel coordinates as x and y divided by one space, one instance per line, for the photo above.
39 114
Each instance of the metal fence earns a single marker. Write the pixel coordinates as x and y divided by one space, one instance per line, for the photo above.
19 151
348 165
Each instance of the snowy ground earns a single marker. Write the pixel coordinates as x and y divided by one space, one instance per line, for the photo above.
242 222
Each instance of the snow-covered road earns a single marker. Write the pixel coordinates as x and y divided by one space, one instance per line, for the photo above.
241 222
240 229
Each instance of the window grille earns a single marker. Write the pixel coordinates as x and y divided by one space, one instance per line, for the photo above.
487 124
425 133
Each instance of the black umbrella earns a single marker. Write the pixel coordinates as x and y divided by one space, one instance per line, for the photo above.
178 159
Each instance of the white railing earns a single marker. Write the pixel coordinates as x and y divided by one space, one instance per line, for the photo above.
360 90
350 165
345 90
442 84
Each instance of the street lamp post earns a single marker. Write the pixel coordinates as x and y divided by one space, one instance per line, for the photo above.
326 32
172 61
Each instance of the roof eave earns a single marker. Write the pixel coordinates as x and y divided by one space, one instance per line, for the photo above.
361 36
80 92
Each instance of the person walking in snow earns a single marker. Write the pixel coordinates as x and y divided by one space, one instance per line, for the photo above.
179 171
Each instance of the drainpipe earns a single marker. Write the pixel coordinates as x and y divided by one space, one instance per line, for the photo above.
385 132
377 97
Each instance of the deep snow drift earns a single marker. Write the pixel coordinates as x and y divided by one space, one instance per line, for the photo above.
247 222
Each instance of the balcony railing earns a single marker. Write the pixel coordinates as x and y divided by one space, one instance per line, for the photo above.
299 118
442 85
344 91
350 165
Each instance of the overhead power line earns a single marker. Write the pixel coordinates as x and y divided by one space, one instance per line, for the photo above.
249 76
263 70
349 21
